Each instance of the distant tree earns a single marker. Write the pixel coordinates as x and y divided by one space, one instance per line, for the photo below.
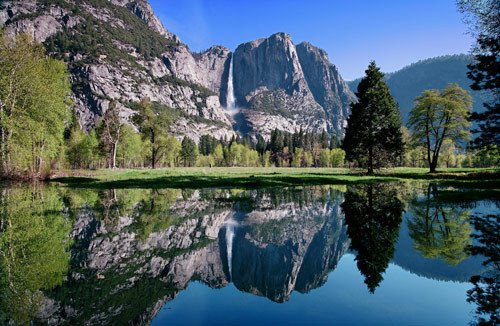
333 141
207 144
337 157
261 144
153 125
130 148
440 115
171 152
324 158
219 155
373 135
82 149
324 139
483 17
109 130
189 152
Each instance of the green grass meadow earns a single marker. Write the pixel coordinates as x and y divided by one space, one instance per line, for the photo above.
243 177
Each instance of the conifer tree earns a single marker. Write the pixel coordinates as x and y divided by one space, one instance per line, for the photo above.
373 134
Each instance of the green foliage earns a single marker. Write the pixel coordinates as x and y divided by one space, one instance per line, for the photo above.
373 136
484 71
189 152
153 121
337 157
82 149
439 231
34 249
109 130
34 101
131 148
438 116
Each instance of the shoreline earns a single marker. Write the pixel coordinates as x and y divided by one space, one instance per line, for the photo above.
240 177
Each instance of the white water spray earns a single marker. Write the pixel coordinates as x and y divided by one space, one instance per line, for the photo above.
230 227
230 98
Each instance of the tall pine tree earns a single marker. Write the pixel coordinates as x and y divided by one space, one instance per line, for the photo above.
373 135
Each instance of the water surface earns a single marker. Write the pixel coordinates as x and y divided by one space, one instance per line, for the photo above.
393 253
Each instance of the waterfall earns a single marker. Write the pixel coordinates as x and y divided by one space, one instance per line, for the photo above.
230 99
230 226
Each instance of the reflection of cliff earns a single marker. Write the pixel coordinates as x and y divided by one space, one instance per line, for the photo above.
292 248
129 257
136 249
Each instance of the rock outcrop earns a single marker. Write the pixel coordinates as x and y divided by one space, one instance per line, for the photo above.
281 83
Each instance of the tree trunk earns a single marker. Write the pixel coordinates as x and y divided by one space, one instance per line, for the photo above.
432 166
370 160
113 158
153 150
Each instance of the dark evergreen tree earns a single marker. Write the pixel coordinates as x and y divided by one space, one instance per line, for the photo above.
373 135
333 141
189 152
485 71
261 144
324 139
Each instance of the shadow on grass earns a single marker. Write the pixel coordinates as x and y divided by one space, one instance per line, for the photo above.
197 181
270 179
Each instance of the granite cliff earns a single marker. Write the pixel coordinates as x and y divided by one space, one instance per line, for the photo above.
118 50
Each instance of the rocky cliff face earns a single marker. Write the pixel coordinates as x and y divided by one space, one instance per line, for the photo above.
118 50
289 87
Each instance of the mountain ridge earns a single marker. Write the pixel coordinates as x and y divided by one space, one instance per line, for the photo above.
410 81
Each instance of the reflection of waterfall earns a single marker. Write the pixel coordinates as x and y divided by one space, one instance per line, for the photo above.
230 226
230 98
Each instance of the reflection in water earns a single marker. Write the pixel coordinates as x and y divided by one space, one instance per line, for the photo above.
373 215
34 251
486 288
116 256
439 230
230 226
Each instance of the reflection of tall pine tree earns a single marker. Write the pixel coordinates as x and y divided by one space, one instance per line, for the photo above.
373 215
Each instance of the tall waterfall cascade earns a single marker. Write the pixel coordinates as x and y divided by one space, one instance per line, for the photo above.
230 98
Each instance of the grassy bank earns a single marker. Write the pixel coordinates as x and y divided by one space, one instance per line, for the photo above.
262 177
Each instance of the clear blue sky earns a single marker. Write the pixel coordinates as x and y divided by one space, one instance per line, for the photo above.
394 33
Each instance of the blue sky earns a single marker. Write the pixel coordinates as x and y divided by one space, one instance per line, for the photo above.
394 33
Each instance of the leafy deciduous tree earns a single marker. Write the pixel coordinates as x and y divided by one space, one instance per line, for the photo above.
440 115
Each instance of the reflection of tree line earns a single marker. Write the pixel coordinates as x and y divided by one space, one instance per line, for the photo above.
35 223
34 250
485 292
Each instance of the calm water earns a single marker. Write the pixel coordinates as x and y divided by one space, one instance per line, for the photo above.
396 253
